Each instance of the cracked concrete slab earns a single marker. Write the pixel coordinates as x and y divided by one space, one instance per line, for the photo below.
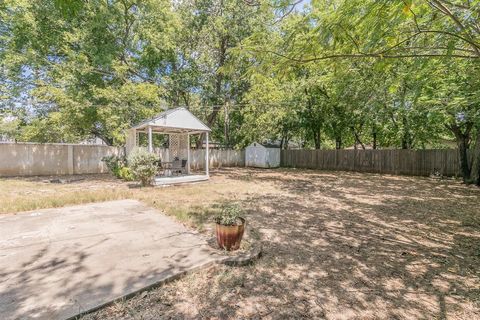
57 263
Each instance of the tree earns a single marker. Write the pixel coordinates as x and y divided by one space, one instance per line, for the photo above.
79 57
210 30
423 34
453 92
332 74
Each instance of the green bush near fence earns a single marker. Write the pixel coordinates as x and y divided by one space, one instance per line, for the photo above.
115 164
118 167
126 174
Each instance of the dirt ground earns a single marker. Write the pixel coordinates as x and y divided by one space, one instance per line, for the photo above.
336 245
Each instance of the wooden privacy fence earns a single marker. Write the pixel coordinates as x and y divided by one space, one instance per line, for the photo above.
26 159
218 158
36 159
407 162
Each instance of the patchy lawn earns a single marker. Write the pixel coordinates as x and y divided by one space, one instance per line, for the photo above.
336 245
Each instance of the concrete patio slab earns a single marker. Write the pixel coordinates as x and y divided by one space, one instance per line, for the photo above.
57 263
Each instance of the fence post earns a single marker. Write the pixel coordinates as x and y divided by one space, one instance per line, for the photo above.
70 164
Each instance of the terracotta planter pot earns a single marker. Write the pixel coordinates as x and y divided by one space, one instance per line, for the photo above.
229 237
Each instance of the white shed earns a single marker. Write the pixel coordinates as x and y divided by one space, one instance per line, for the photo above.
262 156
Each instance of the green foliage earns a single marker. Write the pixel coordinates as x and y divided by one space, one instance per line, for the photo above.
331 74
9 127
229 214
115 164
126 174
118 167
87 65
143 165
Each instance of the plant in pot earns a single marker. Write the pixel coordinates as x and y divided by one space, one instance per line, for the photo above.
230 226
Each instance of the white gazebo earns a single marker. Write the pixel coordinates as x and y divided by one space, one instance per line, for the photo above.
179 124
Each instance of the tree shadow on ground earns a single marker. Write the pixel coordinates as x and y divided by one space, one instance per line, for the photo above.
395 247
67 295
336 245
342 245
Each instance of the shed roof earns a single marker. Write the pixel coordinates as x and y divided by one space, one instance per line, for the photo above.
174 120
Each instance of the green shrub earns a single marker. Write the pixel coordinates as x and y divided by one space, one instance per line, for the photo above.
229 214
114 164
143 165
126 174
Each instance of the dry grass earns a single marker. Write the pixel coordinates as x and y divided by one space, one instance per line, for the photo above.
190 203
23 194
336 245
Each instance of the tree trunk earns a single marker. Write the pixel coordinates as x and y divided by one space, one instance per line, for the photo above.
357 139
338 142
317 139
462 151
226 126
222 56
108 141
374 136
475 171
462 139
406 136
285 139
313 123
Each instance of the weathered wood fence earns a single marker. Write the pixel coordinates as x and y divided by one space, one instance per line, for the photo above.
36 159
50 159
218 158
404 162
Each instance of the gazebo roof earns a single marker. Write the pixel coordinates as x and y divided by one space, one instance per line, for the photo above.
173 120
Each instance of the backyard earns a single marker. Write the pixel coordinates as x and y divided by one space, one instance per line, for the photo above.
335 244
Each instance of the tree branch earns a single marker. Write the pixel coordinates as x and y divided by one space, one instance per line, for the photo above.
445 10
292 7
370 55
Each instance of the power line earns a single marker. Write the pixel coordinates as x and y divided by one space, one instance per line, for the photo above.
232 106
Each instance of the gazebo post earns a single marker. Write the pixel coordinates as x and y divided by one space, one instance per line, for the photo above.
188 153
150 141
168 149
206 157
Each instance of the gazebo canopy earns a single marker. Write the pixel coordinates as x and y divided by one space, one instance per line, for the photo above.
178 120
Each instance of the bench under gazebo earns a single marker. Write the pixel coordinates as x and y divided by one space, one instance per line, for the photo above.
174 161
